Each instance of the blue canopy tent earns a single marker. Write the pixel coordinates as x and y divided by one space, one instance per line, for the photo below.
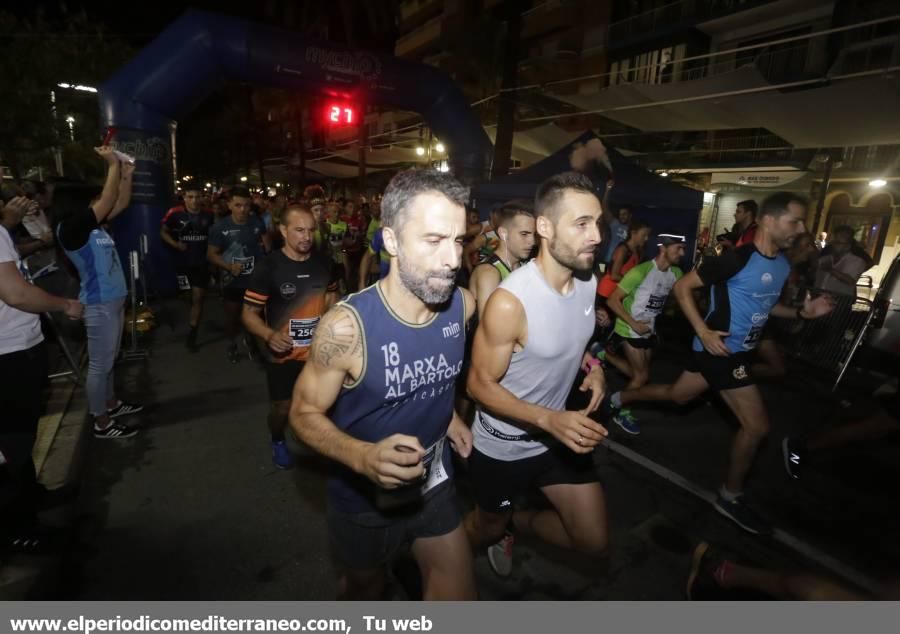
666 206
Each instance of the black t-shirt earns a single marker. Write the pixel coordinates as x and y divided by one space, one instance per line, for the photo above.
293 295
75 230
193 230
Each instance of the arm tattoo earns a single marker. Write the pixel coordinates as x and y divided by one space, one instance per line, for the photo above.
336 337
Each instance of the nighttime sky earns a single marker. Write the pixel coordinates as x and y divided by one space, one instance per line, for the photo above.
139 21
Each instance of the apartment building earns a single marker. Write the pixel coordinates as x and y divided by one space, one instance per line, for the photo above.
744 97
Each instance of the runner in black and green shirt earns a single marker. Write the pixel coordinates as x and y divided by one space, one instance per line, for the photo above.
640 296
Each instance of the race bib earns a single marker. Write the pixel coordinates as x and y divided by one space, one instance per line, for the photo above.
434 475
656 303
302 330
246 264
183 283
755 332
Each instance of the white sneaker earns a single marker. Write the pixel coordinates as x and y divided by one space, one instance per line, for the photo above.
500 556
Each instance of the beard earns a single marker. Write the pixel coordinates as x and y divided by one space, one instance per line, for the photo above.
432 287
301 248
568 257
786 242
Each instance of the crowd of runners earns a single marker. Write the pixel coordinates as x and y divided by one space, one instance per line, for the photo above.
466 337
402 335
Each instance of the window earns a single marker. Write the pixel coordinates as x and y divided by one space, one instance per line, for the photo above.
652 67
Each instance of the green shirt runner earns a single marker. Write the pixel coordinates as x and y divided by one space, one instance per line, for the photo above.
646 290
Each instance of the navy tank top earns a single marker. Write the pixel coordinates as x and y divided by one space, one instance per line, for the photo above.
406 387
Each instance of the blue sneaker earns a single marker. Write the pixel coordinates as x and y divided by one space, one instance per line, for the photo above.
743 515
281 455
626 420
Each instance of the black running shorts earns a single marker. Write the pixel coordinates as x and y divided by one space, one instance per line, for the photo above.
638 343
280 377
197 276
364 541
497 483
723 373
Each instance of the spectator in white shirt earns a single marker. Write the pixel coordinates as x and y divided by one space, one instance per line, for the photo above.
23 374
839 268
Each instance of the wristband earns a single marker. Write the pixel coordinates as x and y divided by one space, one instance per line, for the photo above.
590 364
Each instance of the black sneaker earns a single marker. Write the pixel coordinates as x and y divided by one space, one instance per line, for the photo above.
252 351
124 409
742 515
115 431
794 454
31 541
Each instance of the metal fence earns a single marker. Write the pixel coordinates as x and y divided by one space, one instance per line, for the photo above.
829 343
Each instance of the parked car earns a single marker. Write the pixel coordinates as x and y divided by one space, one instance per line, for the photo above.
884 330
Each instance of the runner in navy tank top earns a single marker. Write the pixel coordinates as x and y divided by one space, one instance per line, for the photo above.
745 285
376 396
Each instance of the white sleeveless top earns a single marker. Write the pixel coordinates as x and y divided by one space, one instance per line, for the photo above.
559 328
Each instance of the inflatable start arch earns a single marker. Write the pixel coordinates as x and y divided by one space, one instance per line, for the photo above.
200 51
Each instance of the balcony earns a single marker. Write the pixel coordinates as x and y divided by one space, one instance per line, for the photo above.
547 68
422 39
776 64
672 18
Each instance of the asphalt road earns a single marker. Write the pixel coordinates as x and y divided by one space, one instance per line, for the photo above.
193 509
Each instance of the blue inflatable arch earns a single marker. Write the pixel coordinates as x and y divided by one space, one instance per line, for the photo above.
198 52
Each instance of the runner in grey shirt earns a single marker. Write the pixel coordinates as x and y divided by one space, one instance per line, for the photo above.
528 347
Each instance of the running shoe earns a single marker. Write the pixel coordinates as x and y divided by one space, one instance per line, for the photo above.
124 409
252 351
701 579
626 420
794 454
281 455
115 431
500 555
742 515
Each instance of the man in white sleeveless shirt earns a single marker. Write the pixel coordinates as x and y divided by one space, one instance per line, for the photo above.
527 351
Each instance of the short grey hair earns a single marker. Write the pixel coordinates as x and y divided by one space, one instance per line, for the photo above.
406 185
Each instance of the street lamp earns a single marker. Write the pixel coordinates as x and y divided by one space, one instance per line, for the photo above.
877 183
243 179
420 151
79 87
664 174
439 147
